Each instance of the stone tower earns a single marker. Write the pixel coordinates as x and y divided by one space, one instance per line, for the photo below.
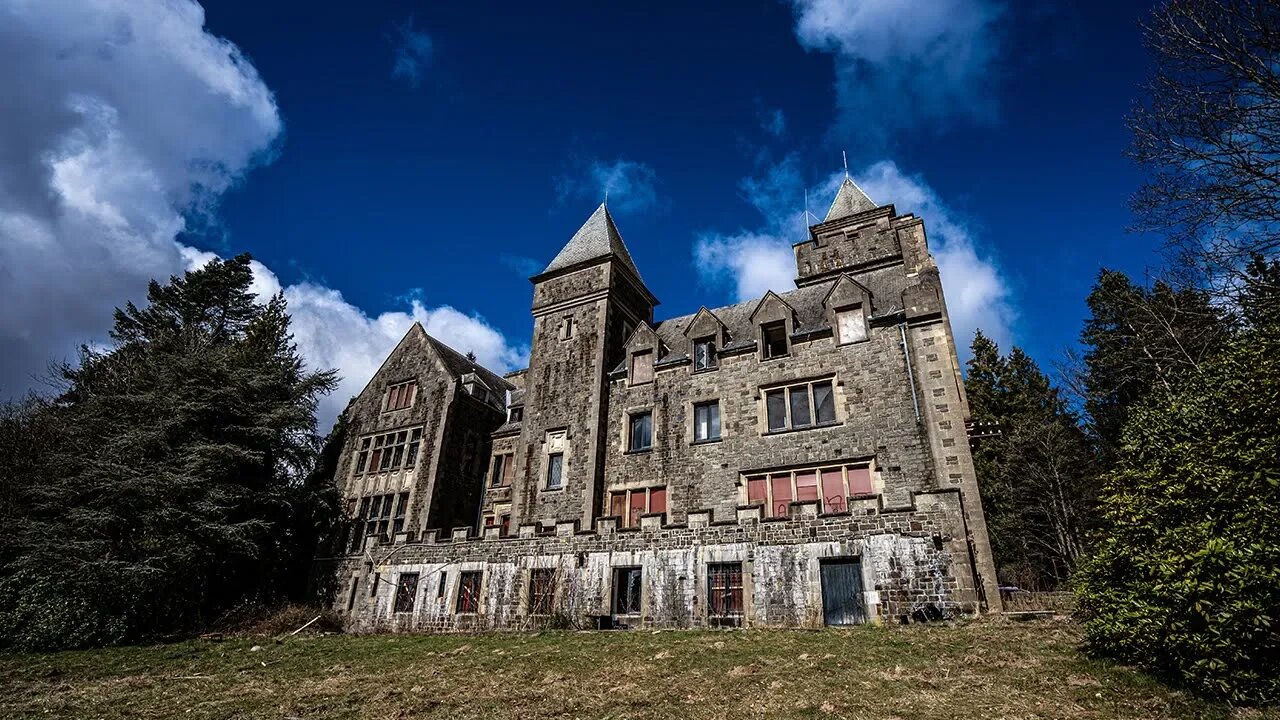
586 303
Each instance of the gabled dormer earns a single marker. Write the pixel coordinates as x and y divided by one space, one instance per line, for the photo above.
774 321
848 308
705 335
643 349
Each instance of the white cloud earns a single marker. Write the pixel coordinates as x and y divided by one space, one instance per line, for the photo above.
897 66
412 53
758 260
630 186
124 121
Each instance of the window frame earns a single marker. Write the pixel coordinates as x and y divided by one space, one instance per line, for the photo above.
725 599
712 363
542 591
627 518
649 365
390 451
719 424
632 417
631 609
406 598
551 463
394 398
771 505
766 352
472 580
789 392
855 309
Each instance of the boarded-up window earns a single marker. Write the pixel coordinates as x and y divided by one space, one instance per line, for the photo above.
637 508
542 591
807 485
626 591
469 592
401 396
618 505
724 593
641 367
758 491
781 485
833 497
406 592
850 325
860 481
658 500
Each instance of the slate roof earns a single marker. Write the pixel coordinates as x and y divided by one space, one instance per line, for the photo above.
850 200
598 237
458 365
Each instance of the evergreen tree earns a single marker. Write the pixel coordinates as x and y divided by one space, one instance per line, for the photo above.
1034 465
173 491
1185 577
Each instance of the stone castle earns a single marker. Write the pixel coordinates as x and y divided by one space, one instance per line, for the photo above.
796 460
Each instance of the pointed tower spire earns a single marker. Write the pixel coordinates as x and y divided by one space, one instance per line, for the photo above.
597 238
850 200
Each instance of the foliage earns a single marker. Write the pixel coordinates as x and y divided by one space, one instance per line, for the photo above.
1034 465
1185 580
171 490
1209 129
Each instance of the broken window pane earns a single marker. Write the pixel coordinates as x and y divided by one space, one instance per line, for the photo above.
799 406
626 591
824 402
406 592
776 406
704 354
774 337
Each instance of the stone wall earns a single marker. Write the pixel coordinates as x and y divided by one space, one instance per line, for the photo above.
912 560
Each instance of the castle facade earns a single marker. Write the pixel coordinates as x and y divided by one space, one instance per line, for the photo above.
796 460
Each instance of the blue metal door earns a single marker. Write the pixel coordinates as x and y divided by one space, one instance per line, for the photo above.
842 592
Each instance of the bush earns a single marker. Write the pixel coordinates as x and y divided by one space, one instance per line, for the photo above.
1184 580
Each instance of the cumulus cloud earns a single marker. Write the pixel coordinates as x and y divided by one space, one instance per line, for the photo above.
124 123
755 261
412 48
630 186
898 67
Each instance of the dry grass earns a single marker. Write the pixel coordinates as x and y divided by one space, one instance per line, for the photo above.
977 670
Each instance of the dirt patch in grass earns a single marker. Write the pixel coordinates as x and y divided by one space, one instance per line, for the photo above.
974 670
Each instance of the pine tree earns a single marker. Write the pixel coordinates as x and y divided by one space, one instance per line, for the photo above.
174 487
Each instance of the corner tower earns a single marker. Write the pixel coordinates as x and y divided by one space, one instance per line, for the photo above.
585 305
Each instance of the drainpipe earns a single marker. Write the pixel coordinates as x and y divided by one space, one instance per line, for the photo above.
911 376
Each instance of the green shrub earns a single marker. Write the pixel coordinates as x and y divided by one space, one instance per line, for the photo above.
1184 580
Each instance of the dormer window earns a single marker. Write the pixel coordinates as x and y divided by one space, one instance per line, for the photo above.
401 396
641 367
773 339
515 414
851 327
704 354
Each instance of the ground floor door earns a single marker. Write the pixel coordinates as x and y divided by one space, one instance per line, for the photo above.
842 602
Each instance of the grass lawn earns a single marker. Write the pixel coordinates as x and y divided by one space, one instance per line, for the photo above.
976 670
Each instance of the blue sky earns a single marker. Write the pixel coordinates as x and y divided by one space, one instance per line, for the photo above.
418 160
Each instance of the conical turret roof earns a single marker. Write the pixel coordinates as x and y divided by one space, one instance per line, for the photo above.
850 200
598 237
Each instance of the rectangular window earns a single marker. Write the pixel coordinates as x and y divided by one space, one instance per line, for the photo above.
351 596
638 505
630 505
832 485
800 416
833 497
401 396
657 500
402 505
542 591
373 586
390 451
850 325
704 354
800 406
774 339
555 470
618 506
499 467
442 587
776 407
626 591
780 484
469 592
641 367
706 421
724 593
406 592
641 431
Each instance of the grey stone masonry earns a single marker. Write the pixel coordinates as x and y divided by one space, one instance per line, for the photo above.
792 460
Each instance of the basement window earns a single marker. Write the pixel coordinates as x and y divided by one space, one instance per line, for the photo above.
542 591
406 592
469 592
724 594
626 590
